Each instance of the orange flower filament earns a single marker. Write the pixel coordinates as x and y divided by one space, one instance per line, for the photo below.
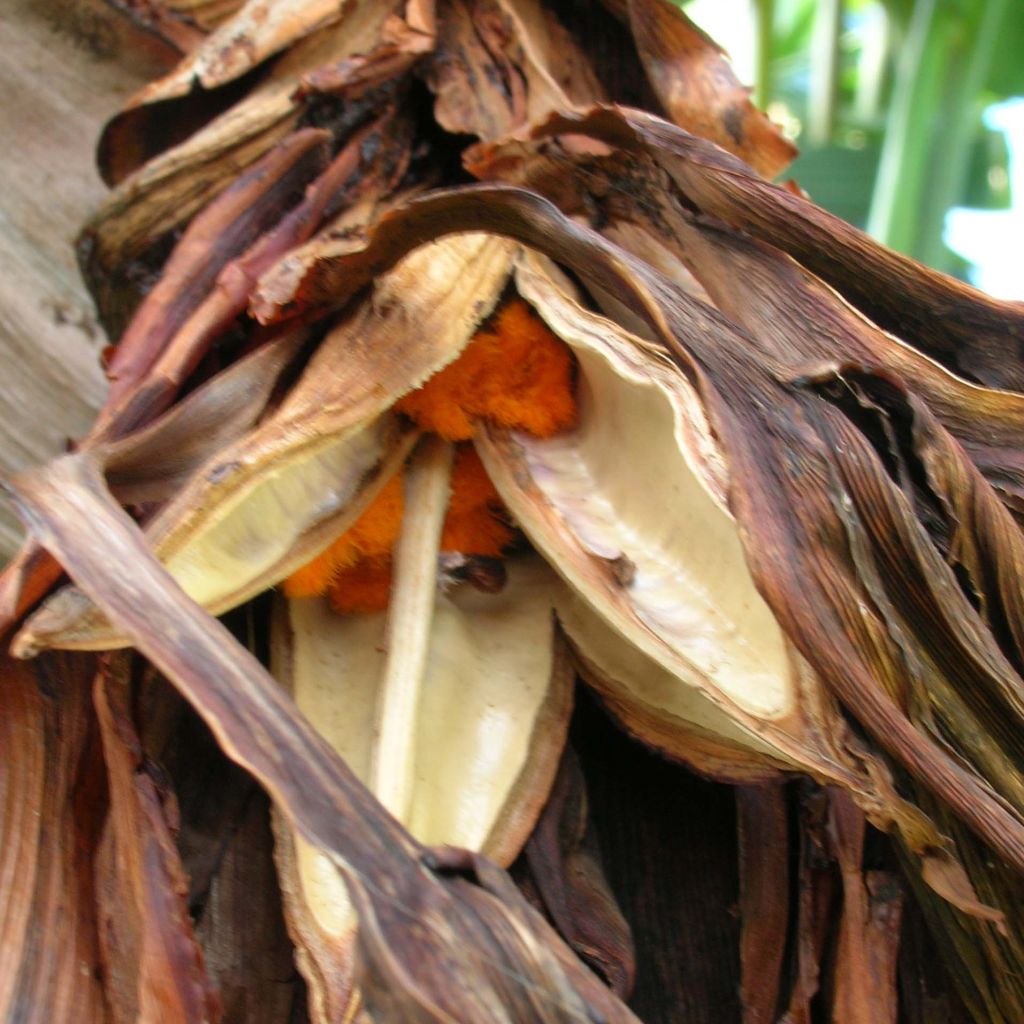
516 374
368 540
476 523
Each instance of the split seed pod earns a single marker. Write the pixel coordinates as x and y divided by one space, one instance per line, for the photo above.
474 762
729 545
263 507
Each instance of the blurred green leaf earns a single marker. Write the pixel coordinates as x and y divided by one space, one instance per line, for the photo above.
987 185
1006 68
887 104
839 178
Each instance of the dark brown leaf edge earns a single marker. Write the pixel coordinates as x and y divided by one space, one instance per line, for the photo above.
820 517
444 935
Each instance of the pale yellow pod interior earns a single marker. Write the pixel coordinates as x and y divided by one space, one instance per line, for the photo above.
278 497
247 538
625 510
493 712
617 667
252 533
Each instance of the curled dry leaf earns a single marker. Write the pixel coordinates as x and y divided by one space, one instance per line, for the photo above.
489 725
504 64
263 507
254 33
194 166
197 88
698 89
435 941
797 527
153 464
641 212
987 423
957 325
780 539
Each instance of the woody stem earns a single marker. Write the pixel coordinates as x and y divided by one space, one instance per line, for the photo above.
410 611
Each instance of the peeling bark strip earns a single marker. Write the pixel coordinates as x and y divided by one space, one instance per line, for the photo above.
764 898
565 867
152 964
810 510
816 890
864 971
473 952
772 537
51 810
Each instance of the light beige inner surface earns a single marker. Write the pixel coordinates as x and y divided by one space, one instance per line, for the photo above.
254 530
622 489
617 667
487 713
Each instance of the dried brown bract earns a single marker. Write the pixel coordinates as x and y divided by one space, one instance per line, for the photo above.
622 411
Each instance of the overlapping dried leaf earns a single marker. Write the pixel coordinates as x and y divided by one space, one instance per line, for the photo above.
822 417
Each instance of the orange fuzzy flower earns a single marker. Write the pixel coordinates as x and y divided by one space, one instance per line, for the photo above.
361 588
475 523
372 535
355 571
516 374
359 560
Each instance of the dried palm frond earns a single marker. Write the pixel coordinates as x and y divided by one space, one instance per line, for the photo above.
622 409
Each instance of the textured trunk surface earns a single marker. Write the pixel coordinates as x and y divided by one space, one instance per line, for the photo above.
63 70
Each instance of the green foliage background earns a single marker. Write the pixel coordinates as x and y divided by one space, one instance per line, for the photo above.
885 99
